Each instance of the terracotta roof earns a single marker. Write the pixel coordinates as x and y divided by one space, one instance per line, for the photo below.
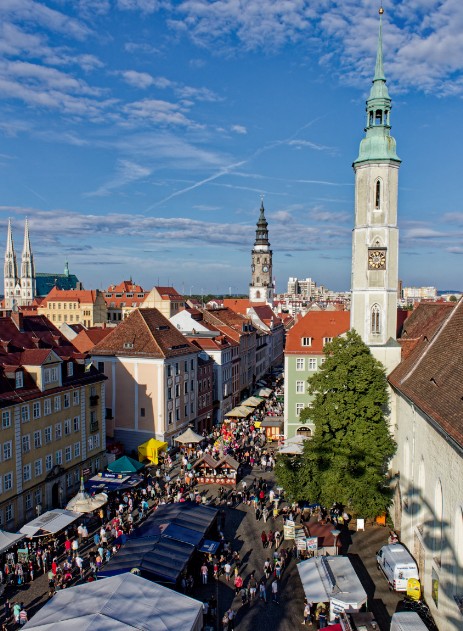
317 325
88 338
169 293
266 314
125 286
34 356
430 375
240 305
145 333
79 295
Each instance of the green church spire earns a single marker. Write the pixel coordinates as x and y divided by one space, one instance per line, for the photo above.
378 143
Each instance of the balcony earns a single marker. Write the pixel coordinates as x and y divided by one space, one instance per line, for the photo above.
94 427
94 398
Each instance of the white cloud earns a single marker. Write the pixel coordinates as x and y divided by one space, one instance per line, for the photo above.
239 129
145 6
127 172
157 111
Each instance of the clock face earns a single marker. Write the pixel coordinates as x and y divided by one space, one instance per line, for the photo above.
265 268
376 259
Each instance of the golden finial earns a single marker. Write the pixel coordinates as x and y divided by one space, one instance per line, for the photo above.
381 10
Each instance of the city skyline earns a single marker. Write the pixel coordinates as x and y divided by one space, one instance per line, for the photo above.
138 136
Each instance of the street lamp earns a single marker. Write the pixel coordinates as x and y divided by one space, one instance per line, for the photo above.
335 532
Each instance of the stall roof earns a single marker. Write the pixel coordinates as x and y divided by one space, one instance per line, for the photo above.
125 464
182 514
252 402
241 411
331 577
119 603
159 558
112 482
208 459
270 421
50 522
189 436
230 461
8 539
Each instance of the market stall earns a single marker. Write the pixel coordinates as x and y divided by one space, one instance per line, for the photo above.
332 580
241 411
8 539
107 482
273 427
125 464
189 440
227 470
83 502
252 402
121 602
50 523
150 450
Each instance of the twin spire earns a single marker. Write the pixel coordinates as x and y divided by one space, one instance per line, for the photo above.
18 290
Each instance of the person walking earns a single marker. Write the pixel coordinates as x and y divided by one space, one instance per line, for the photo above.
204 573
263 537
307 612
227 569
263 590
275 591
267 568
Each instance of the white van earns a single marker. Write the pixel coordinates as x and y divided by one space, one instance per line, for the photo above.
407 621
398 565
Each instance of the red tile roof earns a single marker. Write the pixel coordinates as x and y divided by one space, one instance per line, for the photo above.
317 325
145 333
125 286
430 375
88 338
169 293
78 295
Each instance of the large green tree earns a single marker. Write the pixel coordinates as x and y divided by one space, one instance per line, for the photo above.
347 459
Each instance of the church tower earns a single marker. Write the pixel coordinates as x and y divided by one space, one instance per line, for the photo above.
10 270
261 286
27 270
375 240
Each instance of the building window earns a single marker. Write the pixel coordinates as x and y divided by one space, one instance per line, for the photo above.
185 387
37 439
48 434
177 390
170 418
299 408
169 370
142 411
48 462
67 400
100 366
58 431
177 414
28 501
26 443
9 513
378 195
70 368
299 387
8 450
6 419
68 453
312 363
327 340
27 472
169 394
192 364
76 450
59 457
8 481
306 341
75 397
36 410
90 443
47 407
186 410
19 379
25 413
375 320
57 403
67 427
50 375
68 480
76 423
300 363
177 369
38 468
37 497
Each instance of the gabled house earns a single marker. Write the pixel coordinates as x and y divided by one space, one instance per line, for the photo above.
152 379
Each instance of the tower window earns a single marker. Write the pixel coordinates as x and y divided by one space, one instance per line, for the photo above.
375 320
371 119
378 117
378 195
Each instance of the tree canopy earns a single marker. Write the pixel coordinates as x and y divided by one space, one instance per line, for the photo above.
347 459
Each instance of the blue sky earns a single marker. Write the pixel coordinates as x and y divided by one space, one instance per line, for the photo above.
139 135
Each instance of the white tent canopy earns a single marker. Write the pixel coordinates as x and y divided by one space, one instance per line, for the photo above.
50 522
188 436
118 603
332 579
295 449
7 539
83 502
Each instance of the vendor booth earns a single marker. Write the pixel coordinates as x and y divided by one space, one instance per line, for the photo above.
188 441
241 411
50 523
333 581
211 471
252 402
151 450
8 539
107 482
122 602
83 502
124 464
273 427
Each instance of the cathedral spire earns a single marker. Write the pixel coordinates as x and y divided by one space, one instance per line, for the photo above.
379 70
27 241
10 270
27 269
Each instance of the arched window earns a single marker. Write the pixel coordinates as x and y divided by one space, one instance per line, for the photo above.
371 119
378 117
378 194
304 431
375 320
257 294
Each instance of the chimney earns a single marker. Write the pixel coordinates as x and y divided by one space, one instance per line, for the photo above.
17 318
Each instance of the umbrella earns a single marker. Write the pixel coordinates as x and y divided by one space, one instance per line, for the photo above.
188 436
239 412
85 503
